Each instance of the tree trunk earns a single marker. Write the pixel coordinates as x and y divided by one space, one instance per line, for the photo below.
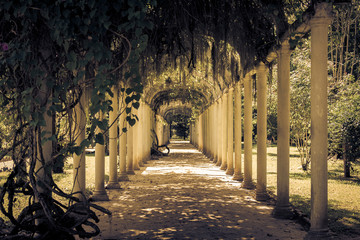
347 163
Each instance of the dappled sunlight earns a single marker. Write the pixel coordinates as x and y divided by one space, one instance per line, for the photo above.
179 142
184 196
185 151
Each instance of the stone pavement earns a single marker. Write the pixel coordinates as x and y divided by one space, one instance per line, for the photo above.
184 196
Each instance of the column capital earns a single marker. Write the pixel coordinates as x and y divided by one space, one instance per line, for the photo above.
323 14
285 47
261 68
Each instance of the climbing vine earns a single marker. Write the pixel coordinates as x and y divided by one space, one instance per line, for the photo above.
51 54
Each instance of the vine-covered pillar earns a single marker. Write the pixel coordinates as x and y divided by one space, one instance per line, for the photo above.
230 133
44 149
212 132
166 133
237 132
140 135
282 208
319 169
207 133
200 141
79 160
160 131
145 121
248 132
143 144
113 138
208 143
218 133
130 150
148 133
191 132
122 140
261 74
136 140
224 132
100 193
204 132
195 132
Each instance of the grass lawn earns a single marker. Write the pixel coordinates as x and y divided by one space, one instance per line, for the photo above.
344 194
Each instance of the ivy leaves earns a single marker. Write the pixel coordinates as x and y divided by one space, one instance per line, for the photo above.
77 37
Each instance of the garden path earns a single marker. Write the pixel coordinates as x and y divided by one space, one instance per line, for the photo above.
184 196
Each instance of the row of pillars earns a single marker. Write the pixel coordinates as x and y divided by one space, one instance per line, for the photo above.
217 131
162 129
128 150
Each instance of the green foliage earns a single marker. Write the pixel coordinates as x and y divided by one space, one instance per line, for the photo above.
300 101
272 105
344 117
181 125
52 54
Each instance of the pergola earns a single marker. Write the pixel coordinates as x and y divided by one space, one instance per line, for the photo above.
220 116
214 102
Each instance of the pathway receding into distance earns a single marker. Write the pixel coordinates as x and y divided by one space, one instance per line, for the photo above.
185 196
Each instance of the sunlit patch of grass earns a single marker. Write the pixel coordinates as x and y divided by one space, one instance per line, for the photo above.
343 193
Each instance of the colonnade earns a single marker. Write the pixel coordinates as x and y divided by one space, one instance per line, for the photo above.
212 132
218 133
129 146
162 130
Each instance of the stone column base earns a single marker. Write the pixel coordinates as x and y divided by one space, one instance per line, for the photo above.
99 196
283 212
262 196
319 234
248 185
223 167
130 172
229 171
113 185
238 177
123 177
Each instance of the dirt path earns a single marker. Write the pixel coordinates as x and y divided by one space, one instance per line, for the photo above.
184 196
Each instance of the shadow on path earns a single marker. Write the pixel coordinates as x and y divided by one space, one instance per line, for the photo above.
184 196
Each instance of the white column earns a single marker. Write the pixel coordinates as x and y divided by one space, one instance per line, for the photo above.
79 160
282 208
248 132
212 132
238 135
224 133
319 169
261 194
230 129
100 193
218 132
201 130
113 138
136 141
130 150
44 149
122 140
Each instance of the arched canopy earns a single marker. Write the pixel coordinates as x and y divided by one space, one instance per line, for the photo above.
199 48
179 96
